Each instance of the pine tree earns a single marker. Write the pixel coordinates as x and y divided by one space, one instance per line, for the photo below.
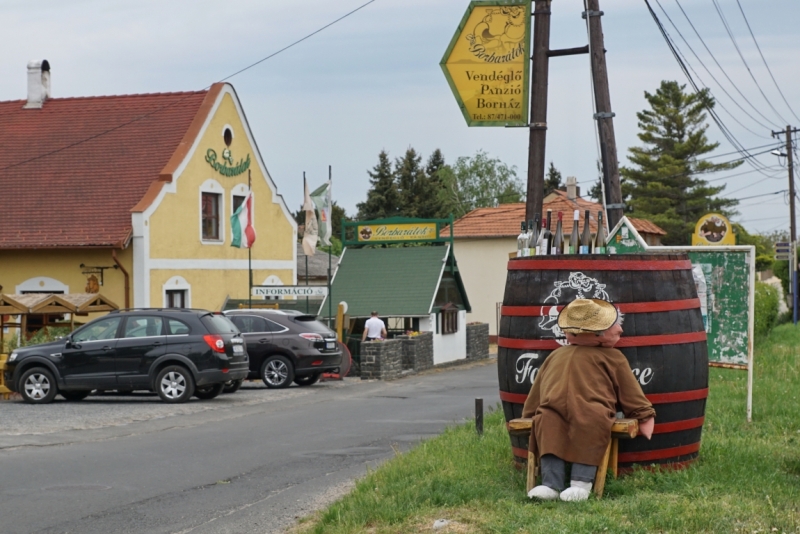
408 177
383 200
661 185
552 181
429 187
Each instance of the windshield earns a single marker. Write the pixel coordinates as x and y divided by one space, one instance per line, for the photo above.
219 324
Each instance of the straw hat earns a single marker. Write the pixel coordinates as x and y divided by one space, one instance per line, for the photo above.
587 315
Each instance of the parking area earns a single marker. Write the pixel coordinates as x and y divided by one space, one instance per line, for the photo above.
109 409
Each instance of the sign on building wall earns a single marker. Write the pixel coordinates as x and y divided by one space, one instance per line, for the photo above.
712 230
487 63
290 292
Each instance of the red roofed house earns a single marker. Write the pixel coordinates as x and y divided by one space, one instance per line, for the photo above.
484 237
137 191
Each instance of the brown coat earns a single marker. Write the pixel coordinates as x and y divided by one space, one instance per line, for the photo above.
574 401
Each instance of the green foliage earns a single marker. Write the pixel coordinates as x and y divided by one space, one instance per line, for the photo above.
409 178
552 181
383 198
764 244
747 478
479 182
661 184
766 308
43 335
335 248
781 270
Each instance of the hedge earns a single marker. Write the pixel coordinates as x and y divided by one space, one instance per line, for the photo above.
766 309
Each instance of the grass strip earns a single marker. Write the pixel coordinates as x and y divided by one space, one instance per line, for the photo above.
746 480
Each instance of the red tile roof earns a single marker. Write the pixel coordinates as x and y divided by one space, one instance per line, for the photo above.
71 172
504 220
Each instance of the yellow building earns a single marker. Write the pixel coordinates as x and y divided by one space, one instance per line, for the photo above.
132 196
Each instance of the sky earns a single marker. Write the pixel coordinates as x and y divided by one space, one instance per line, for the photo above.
372 81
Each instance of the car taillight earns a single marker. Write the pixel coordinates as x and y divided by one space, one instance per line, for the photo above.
312 337
215 341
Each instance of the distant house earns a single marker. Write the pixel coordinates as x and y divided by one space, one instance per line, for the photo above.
134 193
484 237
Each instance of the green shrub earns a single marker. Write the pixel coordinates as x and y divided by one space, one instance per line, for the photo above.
766 308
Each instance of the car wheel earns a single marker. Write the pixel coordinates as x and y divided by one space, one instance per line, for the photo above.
37 386
208 392
232 386
75 395
174 384
277 372
306 380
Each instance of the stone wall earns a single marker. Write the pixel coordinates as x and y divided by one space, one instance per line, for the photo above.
417 351
381 360
477 341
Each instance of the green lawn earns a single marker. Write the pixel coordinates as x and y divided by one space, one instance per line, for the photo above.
746 480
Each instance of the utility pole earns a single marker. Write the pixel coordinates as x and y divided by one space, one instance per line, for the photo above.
603 114
538 119
792 226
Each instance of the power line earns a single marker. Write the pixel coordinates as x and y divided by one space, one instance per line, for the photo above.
718 64
765 61
736 46
157 110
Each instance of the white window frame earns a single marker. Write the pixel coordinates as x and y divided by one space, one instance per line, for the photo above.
239 190
178 283
212 186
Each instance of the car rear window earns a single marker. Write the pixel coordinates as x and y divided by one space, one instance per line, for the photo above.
219 324
310 324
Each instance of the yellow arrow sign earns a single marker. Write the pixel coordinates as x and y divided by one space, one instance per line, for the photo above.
487 62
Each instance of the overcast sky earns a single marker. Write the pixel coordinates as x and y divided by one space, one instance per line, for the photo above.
373 81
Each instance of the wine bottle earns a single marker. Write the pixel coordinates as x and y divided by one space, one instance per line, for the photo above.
521 238
586 237
600 240
544 240
534 235
574 240
557 246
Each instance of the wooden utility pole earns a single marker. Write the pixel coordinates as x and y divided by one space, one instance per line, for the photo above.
792 226
538 119
603 115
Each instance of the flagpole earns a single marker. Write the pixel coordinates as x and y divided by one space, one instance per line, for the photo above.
304 233
249 257
330 248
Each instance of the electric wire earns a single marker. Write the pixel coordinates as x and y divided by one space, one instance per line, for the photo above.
176 102
741 56
691 24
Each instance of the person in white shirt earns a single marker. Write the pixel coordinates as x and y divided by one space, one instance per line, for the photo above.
374 328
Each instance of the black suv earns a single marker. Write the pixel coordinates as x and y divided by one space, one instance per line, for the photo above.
175 352
286 347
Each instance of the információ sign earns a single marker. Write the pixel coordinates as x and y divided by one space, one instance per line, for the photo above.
487 63
290 292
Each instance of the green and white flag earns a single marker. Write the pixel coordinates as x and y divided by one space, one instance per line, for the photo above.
243 232
322 200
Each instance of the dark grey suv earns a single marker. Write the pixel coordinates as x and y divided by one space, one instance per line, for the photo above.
286 347
175 352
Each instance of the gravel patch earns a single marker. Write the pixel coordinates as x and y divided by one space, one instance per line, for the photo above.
113 410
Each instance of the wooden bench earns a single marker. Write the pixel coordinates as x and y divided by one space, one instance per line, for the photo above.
621 429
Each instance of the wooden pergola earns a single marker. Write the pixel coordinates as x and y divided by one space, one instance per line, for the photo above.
50 304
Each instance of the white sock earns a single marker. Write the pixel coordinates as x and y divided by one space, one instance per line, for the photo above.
577 491
544 493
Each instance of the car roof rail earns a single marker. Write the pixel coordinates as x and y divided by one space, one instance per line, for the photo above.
187 310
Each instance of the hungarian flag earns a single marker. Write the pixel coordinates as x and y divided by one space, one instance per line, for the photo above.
243 232
322 200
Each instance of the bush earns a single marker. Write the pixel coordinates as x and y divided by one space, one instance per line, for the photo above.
766 308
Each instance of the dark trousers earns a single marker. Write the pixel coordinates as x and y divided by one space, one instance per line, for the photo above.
554 472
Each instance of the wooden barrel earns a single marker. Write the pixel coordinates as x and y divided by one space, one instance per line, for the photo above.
664 340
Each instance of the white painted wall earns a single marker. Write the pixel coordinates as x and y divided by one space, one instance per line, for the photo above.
450 347
483 266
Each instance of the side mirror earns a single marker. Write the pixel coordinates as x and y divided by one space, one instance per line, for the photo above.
69 343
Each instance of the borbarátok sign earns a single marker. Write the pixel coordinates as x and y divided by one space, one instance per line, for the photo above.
290 292
487 63
396 232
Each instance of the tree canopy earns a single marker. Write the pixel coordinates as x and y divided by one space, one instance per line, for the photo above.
662 184
552 181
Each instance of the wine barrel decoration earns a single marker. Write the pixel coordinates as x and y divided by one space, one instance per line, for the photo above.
664 340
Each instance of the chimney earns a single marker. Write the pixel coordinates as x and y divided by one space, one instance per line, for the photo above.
38 84
572 188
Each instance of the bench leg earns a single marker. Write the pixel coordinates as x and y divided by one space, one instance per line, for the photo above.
600 477
614 457
531 481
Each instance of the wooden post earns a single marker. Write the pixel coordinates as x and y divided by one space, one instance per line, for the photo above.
603 115
538 120
479 416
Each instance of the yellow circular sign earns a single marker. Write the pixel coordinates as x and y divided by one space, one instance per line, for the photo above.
713 229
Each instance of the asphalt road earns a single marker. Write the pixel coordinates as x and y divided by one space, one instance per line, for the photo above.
254 465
